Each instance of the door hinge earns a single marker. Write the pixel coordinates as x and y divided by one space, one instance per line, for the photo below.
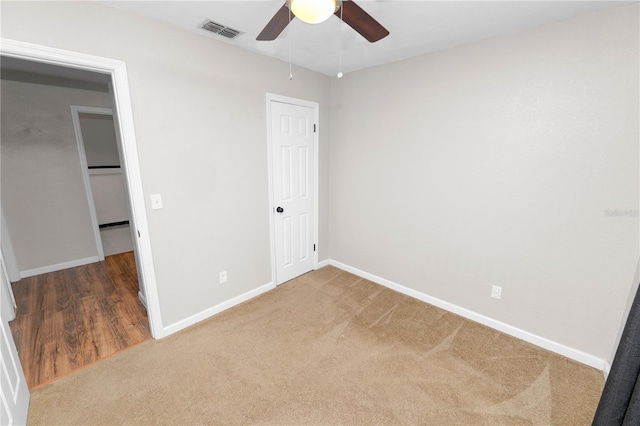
314 247
314 127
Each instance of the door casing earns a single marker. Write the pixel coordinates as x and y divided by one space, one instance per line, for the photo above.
119 88
14 393
76 110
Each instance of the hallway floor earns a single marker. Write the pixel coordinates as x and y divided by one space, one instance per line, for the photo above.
69 319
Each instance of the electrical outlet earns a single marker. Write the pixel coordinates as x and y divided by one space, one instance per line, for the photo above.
223 277
496 292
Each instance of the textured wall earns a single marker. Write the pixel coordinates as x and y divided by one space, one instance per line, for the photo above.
510 162
498 163
43 194
99 137
202 142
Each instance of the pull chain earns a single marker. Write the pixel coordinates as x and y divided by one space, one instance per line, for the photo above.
289 40
340 43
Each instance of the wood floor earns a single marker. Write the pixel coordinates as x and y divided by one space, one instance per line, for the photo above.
69 319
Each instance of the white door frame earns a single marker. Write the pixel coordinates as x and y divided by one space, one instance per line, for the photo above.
122 103
10 261
75 117
316 119
14 393
10 267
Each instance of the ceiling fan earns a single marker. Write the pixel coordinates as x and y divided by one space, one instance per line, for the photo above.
316 11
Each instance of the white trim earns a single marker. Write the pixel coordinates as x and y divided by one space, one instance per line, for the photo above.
10 260
104 172
91 110
125 128
542 342
58 266
207 313
143 299
323 263
133 180
606 370
271 97
272 232
6 409
6 284
75 118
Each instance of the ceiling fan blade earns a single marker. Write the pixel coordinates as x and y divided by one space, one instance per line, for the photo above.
361 21
276 25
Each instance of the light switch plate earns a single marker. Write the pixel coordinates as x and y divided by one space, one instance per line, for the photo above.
156 201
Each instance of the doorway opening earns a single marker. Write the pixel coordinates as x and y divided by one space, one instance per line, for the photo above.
66 66
94 129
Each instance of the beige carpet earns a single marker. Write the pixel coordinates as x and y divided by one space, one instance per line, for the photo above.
327 348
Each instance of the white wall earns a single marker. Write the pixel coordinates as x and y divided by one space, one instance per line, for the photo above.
107 184
43 194
109 195
492 163
201 135
99 137
495 163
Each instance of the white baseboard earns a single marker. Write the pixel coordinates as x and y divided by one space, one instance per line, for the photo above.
542 342
606 369
193 319
323 263
58 267
143 299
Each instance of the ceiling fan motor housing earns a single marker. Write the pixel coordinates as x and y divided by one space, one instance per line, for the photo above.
313 11
347 10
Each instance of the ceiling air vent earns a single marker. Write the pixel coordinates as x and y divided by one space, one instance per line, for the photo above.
220 29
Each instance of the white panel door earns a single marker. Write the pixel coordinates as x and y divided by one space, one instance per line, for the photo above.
292 144
14 394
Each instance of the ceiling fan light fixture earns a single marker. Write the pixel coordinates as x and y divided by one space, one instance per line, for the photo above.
313 11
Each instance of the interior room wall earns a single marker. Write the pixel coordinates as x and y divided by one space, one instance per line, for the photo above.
199 109
509 162
43 193
99 137
107 182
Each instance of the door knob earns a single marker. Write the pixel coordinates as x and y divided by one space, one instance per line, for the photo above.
280 210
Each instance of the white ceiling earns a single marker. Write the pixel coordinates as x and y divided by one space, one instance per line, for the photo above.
416 27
